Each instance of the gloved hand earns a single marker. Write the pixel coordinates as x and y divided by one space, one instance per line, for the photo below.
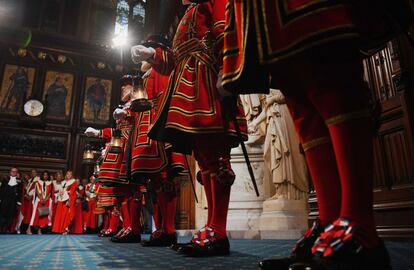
141 53
119 114
91 132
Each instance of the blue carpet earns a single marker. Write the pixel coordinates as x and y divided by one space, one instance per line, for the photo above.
91 252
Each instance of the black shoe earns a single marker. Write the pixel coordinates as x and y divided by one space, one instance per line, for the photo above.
109 233
160 239
177 246
363 259
219 247
120 233
301 253
127 237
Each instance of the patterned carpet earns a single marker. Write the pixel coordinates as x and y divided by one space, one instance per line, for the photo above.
91 252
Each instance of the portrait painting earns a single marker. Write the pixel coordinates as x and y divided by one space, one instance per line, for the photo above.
97 101
16 87
57 94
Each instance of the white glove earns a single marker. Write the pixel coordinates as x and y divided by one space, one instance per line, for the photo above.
119 114
141 53
91 132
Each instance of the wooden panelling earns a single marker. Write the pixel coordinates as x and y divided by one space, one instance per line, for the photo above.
185 217
389 76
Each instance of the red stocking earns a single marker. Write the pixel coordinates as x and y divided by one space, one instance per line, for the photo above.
343 103
125 213
135 214
319 153
169 199
221 199
114 220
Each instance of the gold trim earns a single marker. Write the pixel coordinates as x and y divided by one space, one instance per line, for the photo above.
316 142
244 34
346 117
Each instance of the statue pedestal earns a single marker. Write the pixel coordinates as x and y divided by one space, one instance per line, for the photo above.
252 217
245 207
283 219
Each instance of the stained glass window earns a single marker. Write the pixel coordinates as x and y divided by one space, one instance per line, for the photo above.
138 12
121 24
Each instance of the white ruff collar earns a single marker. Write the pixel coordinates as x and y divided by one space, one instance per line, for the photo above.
12 181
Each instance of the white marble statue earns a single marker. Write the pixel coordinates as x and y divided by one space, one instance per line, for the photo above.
282 156
253 105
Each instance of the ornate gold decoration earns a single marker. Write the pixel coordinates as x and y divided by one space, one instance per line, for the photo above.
101 65
42 55
22 52
61 58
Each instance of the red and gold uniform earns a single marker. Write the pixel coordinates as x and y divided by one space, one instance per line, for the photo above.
191 105
191 115
116 188
107 195
267 32
112 176
310 48
147 152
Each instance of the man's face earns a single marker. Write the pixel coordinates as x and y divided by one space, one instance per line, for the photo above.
14 172
34 173
69 175
92 179
126 91
84 182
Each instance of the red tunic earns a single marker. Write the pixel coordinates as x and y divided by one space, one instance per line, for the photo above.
43 199
191 105
266 32
111 164
148 156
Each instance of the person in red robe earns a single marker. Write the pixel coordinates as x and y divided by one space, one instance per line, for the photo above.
192 116
311 50
62 219
91 218
57 188
77 225
114 173
42 204
107 197
29 194
152 159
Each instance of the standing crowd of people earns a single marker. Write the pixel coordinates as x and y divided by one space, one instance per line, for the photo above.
47 203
